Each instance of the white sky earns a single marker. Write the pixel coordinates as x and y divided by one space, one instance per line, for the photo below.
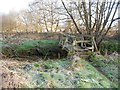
16 5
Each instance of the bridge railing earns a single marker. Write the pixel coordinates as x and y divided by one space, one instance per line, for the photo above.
78 42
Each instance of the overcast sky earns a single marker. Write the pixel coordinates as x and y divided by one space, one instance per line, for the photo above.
16 5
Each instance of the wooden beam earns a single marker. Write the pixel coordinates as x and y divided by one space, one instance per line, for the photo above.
84 41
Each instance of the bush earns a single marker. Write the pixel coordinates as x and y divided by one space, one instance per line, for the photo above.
110 46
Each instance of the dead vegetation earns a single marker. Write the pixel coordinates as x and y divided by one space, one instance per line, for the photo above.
9 78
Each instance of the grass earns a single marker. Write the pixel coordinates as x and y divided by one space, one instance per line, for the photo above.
109 66
27 45
55 74
1 44
36 43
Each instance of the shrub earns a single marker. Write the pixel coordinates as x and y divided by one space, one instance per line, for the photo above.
110 46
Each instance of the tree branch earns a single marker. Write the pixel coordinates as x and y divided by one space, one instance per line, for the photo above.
71 17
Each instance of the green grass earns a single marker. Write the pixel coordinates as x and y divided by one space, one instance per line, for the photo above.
27 45
109 66
1 43
36 43
54 74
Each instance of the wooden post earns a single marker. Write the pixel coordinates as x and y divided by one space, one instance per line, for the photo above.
92 41
74 42
95 44
82 42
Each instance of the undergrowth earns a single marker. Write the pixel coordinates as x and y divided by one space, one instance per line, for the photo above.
110 46
108 65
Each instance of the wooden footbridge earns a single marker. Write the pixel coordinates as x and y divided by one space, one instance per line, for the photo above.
78 43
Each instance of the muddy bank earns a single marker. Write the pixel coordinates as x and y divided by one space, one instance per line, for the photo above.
51 52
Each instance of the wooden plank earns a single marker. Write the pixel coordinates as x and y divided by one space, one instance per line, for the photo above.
90 47
84 41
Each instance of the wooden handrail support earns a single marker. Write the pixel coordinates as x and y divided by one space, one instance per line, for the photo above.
80 39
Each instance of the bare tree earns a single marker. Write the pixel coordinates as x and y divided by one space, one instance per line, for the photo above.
8 22
45 14
96 16
25 19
